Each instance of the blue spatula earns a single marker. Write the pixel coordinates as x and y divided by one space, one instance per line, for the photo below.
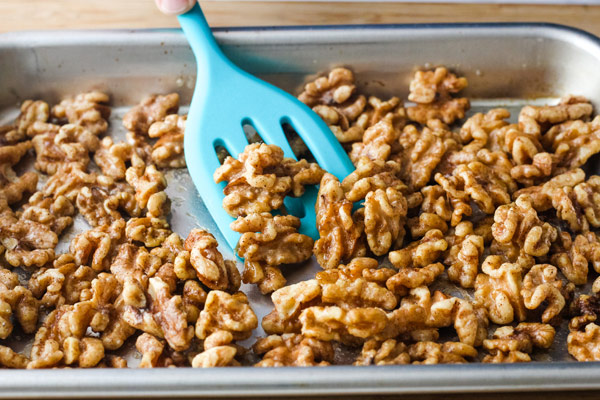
224 100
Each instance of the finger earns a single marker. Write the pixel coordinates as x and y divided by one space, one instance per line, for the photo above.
175 7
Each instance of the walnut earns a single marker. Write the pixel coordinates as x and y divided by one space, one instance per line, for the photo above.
88 110
422 252
336 88
32 113
510 345
112 157
151 349
342 325
223 311
290 300
540 285
438 202
150 110
12 186
68 181
208 262
535 120
378 143
370 175
167 152
194 298
55 213
72 143
573 256
421 157
18 301
465 251
292 350
412 277
541 195
388 352
104 202
384 217
518 222
64 283
432 91
95 247
150 231
267 242
498 289
438 353
149 185
585 346
425 222
217 352
260 178
11 359
340 235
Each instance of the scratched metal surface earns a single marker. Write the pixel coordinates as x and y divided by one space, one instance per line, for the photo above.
507 66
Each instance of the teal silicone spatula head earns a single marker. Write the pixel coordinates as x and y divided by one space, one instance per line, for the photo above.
226 98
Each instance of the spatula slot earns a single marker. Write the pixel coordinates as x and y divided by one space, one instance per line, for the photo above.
250 131
221 151
298 145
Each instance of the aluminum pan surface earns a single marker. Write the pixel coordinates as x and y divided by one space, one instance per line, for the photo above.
505 64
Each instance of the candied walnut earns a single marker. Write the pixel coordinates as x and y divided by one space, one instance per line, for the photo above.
588 198
378 143
169 312
267 242
344 120
18 301
149 185
510 345
167 152
95 247
194 298
371 175
575 143
410 277
541 286
432 91
292 350
224 311
336 88
498 289
465 251
151 349
53 212
421 157
216 356
441 353
208 262
102 203
340 235
336 323
425 222
422 252
388 352
150 231
112 158
384 219
585 346
68 181
436 202
261 177
535 120
150 110
12 186
88 110
32 112
26 242
518 222
72 143
11 359
541 195
132 266
64 283
573 256
291 299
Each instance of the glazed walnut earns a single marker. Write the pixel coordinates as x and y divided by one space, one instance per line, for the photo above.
432 91
96 247
150 110
370 175
378 143
585 345
518 222
541 286
33 112
293 350
88 110
167 152
441 353
17 301
268 242
149 185
340 234
14 187
510 345
224 311
422 252
465 251
498 289
384 214
211 268
388 352
572 256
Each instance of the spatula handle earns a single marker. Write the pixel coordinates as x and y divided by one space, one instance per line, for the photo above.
209 57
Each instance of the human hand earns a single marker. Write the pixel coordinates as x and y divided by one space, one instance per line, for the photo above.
175 7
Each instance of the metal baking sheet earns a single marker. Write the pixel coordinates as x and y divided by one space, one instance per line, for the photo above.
506 64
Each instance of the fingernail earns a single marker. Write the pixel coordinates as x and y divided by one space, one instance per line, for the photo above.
175 6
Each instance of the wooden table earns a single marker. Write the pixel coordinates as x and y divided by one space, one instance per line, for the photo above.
92 14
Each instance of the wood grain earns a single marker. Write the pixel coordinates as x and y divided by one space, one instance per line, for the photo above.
77 14
16 15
